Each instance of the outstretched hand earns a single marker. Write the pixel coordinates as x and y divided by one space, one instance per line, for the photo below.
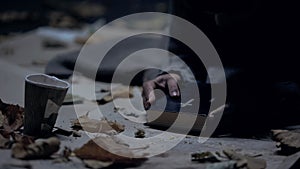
165 81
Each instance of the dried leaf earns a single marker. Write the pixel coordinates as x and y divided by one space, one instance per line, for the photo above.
96 126
251 163
23 139
108 149
140 133
204 157
64 156
41 149
13 116
95 164
289 141
223 165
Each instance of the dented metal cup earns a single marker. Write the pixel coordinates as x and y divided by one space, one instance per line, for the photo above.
44 96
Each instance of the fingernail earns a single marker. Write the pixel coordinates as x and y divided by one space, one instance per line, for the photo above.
174 93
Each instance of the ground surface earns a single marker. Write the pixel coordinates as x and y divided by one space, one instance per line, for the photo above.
14 66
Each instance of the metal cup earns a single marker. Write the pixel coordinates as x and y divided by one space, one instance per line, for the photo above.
44 96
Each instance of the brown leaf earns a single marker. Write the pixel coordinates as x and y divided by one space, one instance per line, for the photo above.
96 126
289 141
23 139
41 149
107 149
13 116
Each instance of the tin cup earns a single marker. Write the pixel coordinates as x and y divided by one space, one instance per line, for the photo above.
44 96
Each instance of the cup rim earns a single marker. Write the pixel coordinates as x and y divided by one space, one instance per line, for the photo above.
67 85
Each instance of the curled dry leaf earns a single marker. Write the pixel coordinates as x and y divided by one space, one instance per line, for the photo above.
12 116
108 149
96 126
289 141
41 149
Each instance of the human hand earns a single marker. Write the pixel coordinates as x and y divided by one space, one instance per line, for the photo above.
165 81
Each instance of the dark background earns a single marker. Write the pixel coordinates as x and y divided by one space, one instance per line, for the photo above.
20 15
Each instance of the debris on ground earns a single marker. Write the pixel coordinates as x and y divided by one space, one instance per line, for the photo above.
95 164
41 149
96 126
51 43
121 92
242 160
140 133
64 156
117 109
203 157
61 131
288 141
108 149
13 116
65 132
23 139
5 143
76 134
102 91
72 99
231 160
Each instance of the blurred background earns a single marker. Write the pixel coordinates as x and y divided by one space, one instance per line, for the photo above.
20 16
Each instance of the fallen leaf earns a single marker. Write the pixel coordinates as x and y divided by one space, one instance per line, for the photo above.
41 149
223 165
139 133
23 139
95 164
64 156
13 116
204 157
96 126
108 149
250 162
289 141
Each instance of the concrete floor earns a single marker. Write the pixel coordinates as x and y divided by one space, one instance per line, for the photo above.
15 66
